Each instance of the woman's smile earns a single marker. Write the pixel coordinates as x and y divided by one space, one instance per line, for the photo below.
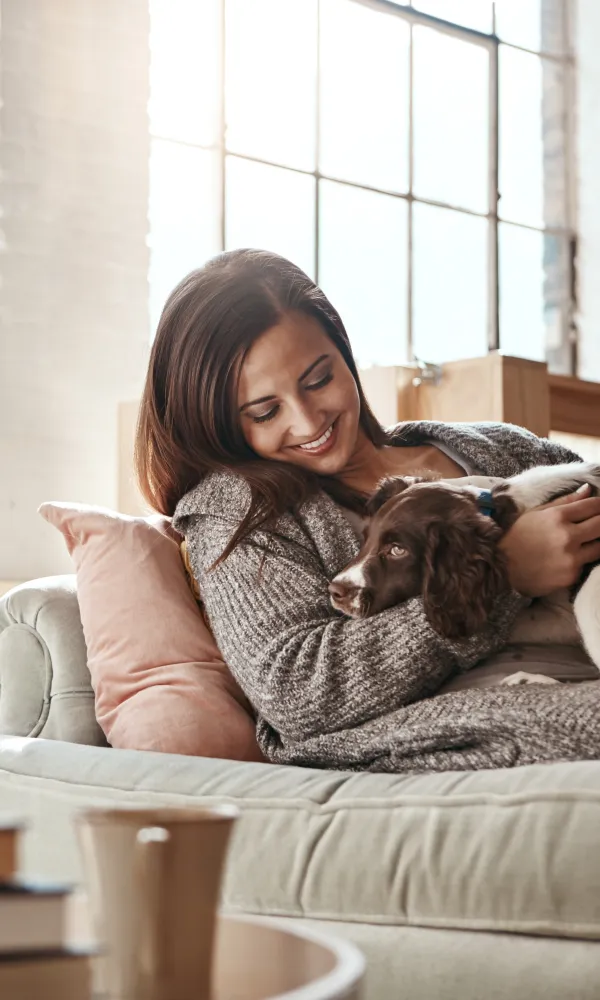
323 444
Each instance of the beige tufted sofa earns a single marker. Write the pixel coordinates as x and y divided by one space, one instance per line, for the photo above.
456 886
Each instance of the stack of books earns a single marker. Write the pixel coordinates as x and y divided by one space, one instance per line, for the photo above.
35 961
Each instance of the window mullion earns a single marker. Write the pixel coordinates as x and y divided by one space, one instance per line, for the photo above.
222 122
493 276
409 296
570 330
318 143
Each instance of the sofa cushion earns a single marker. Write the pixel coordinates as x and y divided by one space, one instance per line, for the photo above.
514 850
160 682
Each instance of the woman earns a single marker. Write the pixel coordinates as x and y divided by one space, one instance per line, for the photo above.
255 433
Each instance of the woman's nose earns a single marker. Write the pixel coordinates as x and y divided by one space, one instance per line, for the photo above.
305 424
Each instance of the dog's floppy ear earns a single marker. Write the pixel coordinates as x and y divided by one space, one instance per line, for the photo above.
388 488
464 574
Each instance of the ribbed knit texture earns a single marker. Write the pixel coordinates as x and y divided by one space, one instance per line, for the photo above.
337 693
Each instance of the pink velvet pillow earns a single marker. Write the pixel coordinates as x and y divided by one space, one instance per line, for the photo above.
159 680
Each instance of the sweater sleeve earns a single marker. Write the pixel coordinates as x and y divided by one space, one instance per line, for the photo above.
306 669
525 447
557 453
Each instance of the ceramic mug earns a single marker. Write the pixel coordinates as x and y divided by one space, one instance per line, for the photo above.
153 881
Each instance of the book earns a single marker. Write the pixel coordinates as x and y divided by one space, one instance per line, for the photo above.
63 974
9 841
32 916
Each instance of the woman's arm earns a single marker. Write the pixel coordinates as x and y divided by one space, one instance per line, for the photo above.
304 668
557 453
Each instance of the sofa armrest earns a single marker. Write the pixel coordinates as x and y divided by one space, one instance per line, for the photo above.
45 686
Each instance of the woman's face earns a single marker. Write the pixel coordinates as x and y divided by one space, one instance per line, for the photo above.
297 399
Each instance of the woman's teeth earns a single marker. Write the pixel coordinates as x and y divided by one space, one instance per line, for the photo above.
313 445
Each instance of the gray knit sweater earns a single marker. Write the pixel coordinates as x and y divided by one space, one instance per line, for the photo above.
339 693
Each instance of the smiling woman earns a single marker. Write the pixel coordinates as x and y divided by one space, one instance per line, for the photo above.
251 361
255 433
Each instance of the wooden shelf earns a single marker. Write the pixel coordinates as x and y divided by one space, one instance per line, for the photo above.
574 405
493 387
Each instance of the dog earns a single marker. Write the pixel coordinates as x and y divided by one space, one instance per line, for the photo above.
438 539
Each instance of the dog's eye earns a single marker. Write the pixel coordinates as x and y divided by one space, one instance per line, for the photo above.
395 552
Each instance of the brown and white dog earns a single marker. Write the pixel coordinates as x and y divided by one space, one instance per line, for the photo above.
438 540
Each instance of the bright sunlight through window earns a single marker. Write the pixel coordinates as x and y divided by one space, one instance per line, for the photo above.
414 159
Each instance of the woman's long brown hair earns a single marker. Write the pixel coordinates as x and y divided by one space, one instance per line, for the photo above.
188 424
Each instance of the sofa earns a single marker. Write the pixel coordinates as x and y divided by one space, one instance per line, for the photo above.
456 886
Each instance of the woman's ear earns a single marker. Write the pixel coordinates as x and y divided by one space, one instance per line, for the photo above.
390 487
464 574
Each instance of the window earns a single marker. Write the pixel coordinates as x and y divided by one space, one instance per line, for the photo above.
413 159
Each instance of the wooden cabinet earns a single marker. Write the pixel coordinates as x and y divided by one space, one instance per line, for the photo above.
574 405
494 387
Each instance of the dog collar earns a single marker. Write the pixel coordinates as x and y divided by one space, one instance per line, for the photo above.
485 502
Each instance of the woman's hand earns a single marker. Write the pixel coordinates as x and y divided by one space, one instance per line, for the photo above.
547 547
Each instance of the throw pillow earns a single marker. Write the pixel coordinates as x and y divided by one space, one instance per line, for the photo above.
159 680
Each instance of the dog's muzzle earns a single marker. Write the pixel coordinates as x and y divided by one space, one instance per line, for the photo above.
349 598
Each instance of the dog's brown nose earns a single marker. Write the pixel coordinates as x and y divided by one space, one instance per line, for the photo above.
349 597
339 590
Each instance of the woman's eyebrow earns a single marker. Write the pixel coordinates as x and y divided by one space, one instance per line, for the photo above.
254 402
305 374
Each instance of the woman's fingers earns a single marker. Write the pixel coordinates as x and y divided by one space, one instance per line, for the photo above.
588 530
582 492
582 510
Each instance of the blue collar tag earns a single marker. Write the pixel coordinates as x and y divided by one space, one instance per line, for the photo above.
486 504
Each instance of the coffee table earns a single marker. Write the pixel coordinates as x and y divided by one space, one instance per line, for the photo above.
259 958
262 958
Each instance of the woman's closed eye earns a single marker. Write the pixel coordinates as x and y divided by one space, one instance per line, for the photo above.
321 383
261 418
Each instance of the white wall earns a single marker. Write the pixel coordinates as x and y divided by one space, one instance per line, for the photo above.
74 156
73 259
587 47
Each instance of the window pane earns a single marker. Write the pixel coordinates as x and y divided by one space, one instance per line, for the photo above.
532 24
271 74
450 284
533 288
184 215
271 209
471 13
363 268
532 139
364 95
450 120
184 70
